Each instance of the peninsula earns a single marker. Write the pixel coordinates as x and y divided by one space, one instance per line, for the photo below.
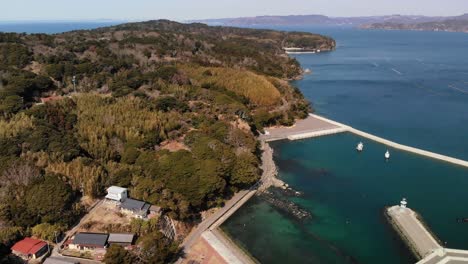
155 120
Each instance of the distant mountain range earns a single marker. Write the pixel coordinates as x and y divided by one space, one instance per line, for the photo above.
454 23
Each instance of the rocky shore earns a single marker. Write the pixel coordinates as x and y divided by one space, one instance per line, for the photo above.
276 195
269 169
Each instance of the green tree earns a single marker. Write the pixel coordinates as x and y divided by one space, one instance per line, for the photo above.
47 231
116 254
130 155
157 249
8 236
10 105
245 171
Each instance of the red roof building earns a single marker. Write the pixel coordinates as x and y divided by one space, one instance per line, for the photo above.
29 248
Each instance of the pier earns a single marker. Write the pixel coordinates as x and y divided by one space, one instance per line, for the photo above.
315 126
419 239
208 239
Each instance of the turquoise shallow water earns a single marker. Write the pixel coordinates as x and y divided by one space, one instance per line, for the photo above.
405 86
346 192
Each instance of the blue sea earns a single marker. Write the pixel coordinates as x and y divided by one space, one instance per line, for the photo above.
52 27
409 87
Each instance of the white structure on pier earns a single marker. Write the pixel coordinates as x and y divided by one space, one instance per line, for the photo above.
403 203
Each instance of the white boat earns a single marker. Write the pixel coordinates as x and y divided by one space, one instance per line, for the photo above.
360 147
387 154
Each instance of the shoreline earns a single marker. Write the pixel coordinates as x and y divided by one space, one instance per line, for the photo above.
313 126
269 170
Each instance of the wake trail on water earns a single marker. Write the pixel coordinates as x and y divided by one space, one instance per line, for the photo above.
398 72
457 89
413 83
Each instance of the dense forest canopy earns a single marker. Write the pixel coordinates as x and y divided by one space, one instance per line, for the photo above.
168 110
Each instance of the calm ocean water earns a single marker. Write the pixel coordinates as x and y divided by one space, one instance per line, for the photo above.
410 87
51 27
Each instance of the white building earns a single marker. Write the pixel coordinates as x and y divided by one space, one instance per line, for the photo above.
116 193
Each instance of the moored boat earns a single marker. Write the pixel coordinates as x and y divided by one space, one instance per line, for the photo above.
360 147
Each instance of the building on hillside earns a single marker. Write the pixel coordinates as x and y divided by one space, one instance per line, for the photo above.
59 260
118 194
124 240
154 211
138 209
89 241
51 99
30 248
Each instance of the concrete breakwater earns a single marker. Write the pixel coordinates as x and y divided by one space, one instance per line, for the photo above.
313 126
412 231
316 125
397 145
419 238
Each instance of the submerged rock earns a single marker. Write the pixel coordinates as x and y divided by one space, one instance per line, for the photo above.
285 205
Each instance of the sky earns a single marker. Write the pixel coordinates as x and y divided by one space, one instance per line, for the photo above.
15 10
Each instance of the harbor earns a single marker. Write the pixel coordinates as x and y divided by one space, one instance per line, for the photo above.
346 189
316 126
311 127
419 239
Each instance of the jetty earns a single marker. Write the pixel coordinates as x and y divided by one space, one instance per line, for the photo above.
208 235
316 126
420 240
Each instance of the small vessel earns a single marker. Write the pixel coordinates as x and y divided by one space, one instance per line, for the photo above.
387 155
360 147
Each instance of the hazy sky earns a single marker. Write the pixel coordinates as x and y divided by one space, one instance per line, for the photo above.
193 9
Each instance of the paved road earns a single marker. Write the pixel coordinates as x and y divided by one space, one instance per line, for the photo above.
78 260
203 226
71 232
310 124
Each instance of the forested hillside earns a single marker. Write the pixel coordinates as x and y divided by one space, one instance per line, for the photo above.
168 110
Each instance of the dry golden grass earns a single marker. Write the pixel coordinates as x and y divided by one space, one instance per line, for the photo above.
257 88
16 125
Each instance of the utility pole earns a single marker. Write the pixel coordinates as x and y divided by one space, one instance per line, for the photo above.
74 83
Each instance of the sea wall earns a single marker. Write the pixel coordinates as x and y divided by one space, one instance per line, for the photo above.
397 145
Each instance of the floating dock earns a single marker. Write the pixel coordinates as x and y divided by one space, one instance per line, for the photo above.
419 239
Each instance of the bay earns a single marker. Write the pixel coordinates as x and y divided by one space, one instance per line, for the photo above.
408 87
